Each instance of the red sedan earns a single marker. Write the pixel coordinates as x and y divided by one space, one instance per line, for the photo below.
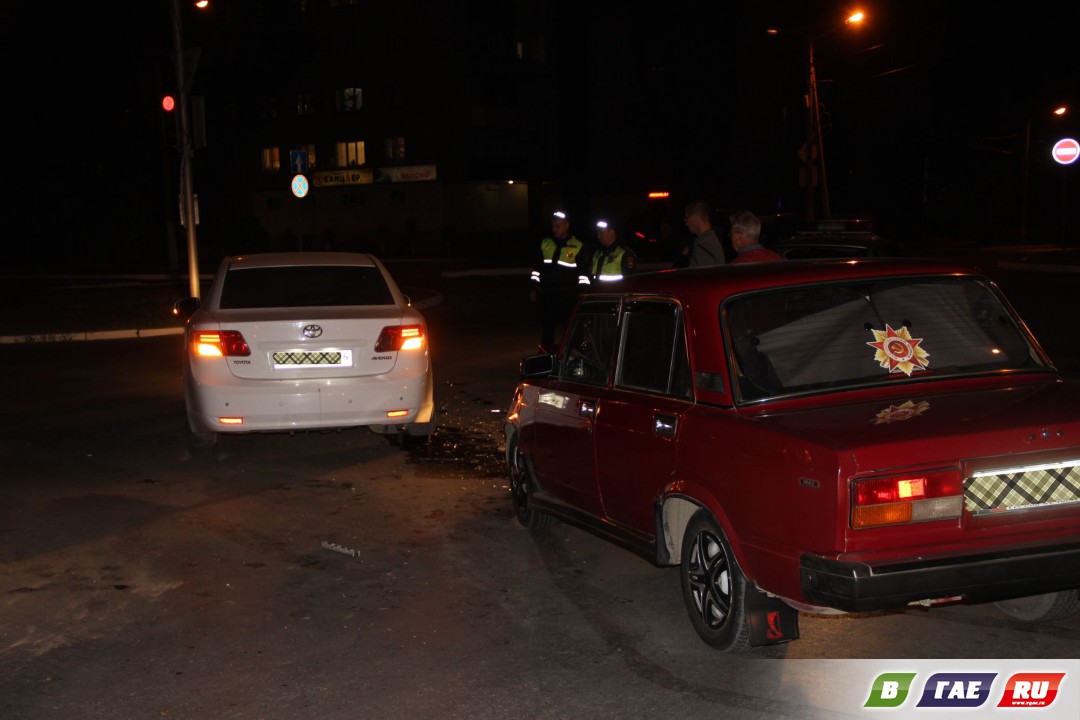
822 436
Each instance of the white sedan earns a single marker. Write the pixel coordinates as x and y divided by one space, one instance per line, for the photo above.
305 341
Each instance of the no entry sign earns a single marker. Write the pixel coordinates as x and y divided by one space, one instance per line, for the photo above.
1066 151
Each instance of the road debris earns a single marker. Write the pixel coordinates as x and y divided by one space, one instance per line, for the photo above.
351 552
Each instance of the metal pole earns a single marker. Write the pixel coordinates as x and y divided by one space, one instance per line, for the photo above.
1027 180
809 147
1064 202
825 209
187 192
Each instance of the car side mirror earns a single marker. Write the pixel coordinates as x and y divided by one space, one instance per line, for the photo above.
186 307
538 365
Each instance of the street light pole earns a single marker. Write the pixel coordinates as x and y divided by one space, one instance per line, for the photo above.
814 149
187 192
1027 180
809 147
1025 200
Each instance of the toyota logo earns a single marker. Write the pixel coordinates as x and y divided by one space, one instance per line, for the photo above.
312 331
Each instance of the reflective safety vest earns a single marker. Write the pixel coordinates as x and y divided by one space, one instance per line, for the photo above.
561 257
608 266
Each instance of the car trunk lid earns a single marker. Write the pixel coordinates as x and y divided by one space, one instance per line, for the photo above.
311 343
1016 445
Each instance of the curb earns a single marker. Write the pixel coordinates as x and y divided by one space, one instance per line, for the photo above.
429 300
98 335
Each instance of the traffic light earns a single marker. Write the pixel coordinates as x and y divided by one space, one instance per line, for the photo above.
170 125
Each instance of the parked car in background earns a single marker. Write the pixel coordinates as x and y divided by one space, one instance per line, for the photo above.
306 341
836 436
837 244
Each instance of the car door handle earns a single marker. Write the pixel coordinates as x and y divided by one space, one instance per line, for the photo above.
664 425
587 407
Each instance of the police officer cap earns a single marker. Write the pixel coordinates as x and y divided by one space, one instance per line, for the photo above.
559 215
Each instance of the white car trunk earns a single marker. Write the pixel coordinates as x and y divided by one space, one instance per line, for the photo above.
312 343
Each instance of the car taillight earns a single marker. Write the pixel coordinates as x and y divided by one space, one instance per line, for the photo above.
219 344
400 337
913 498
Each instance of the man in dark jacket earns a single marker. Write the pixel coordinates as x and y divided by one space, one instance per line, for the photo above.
706 248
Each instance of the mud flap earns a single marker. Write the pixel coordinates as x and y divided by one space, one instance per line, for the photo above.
771 619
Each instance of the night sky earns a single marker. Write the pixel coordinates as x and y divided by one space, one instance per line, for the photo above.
926 105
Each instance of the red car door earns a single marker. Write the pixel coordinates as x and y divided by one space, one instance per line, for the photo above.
565 415
637 425
635 454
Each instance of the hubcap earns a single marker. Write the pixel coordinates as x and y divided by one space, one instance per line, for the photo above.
710 580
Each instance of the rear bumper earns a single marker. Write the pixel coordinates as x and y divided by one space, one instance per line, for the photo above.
859 587
268 406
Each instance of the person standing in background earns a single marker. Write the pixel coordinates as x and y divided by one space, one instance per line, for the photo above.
560 269
706 248
745 238
612 260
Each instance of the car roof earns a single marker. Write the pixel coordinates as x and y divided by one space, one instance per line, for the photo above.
858 238
279 259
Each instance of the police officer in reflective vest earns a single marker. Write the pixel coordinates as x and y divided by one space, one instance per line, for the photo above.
559 271
612 260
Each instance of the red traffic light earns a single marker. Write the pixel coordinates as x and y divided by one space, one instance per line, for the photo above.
168 102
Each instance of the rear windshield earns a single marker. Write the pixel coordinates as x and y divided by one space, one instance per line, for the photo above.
844 335
304 286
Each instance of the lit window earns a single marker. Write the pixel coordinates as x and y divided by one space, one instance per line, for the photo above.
303 104
350 99
271 159
350 154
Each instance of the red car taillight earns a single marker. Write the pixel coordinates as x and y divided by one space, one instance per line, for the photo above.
400 337
219 344
912 498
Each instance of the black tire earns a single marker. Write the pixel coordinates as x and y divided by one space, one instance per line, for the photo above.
407 441
415 435
521 490
1041 608
412 436
203 440
714 589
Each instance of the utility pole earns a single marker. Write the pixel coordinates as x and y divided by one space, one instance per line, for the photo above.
814 148
810 146
187 192
1027 179
814 159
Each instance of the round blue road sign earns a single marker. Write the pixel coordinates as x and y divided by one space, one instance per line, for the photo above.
300 186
